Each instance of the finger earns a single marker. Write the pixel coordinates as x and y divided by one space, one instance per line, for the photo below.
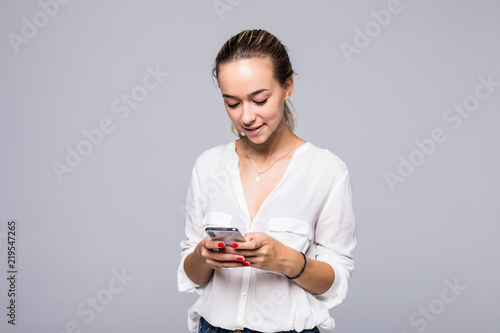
249 254
222 257
250 236
226 264
214 245
249 245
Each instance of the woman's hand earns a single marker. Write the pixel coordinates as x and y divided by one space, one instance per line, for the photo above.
265 252
208 256
260 251
214 255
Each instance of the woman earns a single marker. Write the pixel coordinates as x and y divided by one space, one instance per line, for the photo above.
291 199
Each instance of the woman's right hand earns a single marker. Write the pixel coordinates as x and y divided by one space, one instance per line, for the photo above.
215 254
209 255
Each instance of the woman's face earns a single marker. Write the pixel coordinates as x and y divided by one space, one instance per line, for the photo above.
253 98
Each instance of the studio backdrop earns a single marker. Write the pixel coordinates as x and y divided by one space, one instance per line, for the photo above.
105 105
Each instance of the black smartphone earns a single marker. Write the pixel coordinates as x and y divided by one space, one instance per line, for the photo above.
227 235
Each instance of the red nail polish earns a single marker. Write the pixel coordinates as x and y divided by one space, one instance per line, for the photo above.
234 245
221 244
240 259
246 264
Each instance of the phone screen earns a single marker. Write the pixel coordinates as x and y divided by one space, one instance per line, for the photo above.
227 235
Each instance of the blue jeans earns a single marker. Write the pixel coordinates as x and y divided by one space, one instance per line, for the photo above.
205 327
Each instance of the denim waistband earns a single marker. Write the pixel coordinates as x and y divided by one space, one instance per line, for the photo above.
205 327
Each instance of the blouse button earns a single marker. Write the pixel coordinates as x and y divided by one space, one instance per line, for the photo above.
243 294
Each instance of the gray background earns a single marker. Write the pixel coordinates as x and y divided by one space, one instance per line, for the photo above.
118 211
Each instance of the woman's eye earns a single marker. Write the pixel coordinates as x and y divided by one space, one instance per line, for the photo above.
261 102
232 106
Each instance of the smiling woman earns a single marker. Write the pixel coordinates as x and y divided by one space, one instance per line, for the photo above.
291 199
253 98
261 45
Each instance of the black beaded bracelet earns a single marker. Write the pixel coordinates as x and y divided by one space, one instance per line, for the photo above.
302 271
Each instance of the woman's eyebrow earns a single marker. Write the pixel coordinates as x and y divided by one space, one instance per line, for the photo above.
249 95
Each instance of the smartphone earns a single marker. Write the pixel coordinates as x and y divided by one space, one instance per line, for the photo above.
227 235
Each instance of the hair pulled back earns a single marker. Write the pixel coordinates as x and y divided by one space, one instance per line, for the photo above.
258 43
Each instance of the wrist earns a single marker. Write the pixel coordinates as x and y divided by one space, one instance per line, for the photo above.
294 264
196 268
197 256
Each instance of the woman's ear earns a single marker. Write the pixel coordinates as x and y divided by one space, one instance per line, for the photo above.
288 88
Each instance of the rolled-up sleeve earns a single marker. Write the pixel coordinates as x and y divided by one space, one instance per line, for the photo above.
335 236
194 232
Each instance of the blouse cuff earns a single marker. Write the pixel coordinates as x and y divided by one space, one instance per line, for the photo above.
184 283
338 290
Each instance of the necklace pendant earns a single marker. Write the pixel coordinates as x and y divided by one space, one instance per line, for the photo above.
257 179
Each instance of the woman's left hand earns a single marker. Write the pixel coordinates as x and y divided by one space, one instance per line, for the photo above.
265 252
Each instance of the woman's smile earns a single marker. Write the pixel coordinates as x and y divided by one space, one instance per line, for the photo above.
253 130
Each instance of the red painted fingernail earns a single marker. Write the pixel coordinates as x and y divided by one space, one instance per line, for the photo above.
221 244
234 245
246 264
240 259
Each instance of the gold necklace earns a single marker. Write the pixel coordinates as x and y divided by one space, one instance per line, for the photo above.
257 179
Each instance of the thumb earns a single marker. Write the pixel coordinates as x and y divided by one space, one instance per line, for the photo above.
250 236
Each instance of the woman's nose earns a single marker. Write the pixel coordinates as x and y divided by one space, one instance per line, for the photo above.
248 116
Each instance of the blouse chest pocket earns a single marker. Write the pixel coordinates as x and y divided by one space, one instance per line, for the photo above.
292 232
217 219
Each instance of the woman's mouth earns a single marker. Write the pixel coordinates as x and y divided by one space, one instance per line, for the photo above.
253 130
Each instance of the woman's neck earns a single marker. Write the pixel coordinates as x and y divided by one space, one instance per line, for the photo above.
278 144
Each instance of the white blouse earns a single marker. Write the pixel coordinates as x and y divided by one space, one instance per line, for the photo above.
310 210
